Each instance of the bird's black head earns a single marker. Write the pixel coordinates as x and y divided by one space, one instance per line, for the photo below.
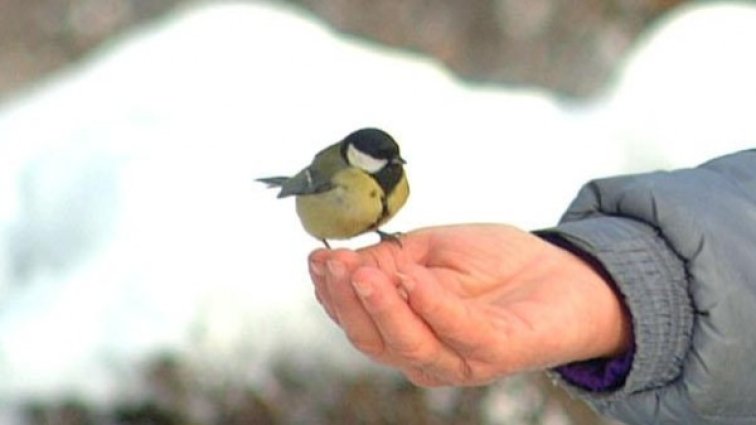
371 149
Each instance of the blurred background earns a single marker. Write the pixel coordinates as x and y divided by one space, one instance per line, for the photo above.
145 278
571 48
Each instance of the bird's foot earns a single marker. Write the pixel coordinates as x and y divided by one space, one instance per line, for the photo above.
391 237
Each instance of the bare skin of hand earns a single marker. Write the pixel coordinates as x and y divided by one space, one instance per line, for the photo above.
468 304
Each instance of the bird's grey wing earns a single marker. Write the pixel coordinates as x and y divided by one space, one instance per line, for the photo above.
306 182
314 179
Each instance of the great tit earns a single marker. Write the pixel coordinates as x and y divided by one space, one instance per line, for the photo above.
351 187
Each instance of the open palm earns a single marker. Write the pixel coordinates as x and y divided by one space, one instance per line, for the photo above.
466 304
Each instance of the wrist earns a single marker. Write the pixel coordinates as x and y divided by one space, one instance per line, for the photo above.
597 304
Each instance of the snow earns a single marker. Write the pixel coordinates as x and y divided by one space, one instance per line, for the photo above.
686 95
130 221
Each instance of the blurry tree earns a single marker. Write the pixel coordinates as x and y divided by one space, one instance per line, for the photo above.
39 36
170 390
568 46
69 411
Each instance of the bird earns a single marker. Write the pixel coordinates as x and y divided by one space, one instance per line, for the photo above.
352 187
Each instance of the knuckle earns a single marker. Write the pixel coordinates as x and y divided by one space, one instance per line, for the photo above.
422 379
465 372
415 353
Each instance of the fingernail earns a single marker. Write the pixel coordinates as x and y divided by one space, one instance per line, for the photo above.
363 289
406 283
336 269
317 269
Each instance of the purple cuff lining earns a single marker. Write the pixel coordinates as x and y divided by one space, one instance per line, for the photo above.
599 374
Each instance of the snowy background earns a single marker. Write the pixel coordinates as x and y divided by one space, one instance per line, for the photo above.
130 222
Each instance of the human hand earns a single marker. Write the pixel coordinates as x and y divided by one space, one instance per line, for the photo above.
467 304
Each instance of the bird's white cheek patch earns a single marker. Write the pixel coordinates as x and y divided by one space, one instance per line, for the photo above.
364 161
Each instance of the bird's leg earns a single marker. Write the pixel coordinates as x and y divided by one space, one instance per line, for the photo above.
391 237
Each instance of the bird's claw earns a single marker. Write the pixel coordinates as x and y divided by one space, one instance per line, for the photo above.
391 237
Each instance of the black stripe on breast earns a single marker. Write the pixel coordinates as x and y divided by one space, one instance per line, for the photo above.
387 178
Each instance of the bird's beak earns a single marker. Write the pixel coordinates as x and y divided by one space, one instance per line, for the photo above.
398 160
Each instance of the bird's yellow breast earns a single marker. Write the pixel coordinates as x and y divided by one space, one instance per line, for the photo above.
352 207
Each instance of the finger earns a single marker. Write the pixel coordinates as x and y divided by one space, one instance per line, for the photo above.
317 268
326 306
389 256
404 334
316 262
448 315
409 342
352 317
421 378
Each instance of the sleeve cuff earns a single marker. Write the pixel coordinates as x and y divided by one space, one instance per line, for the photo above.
651 280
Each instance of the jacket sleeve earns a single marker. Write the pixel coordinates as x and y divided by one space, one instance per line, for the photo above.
680 247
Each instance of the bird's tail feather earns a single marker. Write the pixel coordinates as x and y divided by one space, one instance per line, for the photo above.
273 181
